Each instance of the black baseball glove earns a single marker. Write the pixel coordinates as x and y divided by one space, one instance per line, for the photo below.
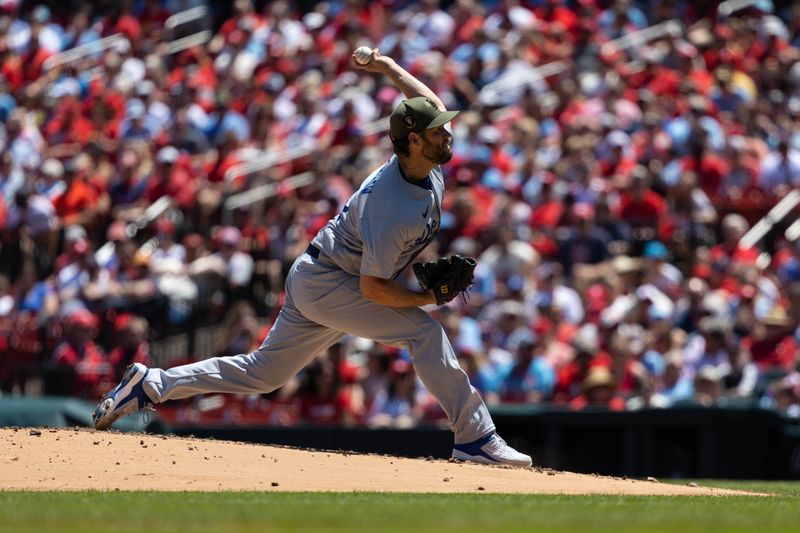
447 277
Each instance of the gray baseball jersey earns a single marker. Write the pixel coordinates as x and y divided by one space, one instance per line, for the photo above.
385 224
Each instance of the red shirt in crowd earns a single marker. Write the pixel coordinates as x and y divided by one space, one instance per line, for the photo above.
711 170
665 82
741 255
68 125
33 63
179 185
153 18
553 13
126 24
547 215
317 410
773 352
11 70
617 167
120 358
91 366
571 375
80 196
644 212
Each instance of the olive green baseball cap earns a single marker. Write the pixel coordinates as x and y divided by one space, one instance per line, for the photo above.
417 114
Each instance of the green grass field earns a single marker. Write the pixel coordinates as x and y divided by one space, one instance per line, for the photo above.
106 512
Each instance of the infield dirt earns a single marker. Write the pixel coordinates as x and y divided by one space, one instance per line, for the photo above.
80 459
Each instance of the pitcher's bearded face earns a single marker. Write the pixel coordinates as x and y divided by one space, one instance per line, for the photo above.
437 145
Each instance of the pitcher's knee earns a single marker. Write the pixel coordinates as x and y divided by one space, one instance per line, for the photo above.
431 338
269 375
428 328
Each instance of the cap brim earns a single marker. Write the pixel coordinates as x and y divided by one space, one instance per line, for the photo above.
442 118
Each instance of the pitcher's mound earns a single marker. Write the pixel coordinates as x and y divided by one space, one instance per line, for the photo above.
81 459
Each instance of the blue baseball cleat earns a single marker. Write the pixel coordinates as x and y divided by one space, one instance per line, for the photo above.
126 398
490 450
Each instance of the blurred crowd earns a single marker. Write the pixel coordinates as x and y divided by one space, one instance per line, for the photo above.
605 196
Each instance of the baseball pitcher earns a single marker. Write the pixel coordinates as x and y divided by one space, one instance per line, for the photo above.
345 283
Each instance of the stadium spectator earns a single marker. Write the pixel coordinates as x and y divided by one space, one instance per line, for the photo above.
131 334
771 344
531 379
674 386
322 400
598 390
780 170
782 395
79 367
170 179
707 387
398 406
240 331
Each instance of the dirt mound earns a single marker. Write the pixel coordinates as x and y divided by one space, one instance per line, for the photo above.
79 459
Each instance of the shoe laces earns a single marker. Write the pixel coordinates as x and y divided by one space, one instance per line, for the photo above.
497 443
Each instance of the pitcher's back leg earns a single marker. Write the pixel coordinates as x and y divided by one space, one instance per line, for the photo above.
290 345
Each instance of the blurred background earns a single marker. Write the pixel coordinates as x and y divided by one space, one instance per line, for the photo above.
626 173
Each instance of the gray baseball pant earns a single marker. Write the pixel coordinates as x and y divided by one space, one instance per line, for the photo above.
322 304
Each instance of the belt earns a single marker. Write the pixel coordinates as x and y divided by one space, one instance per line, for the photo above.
313 251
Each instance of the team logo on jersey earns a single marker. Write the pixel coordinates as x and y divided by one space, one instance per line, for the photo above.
410 121
431 227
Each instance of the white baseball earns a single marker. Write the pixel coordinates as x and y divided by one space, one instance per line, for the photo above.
363 55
